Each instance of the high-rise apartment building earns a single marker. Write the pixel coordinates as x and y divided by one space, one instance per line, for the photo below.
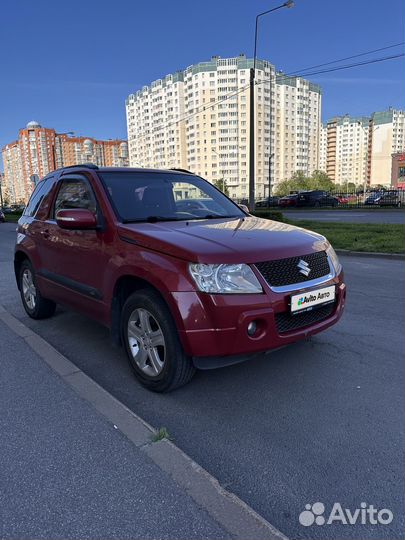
297 126
198 119
345 149
360 150
13 183
40 150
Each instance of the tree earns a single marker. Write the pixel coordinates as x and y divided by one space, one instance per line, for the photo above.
221 185
300 182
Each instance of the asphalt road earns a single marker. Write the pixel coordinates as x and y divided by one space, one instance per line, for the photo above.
321 420
348 216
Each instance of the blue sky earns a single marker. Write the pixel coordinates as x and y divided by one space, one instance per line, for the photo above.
70 65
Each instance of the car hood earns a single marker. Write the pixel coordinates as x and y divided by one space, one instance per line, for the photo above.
229 240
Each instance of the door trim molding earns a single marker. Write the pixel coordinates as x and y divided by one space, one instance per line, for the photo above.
76 286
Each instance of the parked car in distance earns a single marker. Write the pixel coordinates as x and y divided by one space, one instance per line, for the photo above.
7 210
373 198
2 216
268 202
342 200
316 198
392 198
179 287
288 201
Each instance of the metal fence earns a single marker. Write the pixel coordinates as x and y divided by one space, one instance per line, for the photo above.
393 198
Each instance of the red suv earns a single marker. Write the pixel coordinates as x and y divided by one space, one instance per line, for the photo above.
181 285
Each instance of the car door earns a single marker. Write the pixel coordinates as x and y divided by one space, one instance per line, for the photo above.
75 260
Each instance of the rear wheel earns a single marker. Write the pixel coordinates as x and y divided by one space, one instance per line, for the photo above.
36 306
152 344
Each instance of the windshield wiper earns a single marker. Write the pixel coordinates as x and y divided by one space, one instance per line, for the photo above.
213 216
155 219
150 219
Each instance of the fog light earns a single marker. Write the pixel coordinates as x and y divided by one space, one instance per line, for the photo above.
251 329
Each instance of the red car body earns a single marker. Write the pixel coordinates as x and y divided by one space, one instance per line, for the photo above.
342 199
288 201
88 270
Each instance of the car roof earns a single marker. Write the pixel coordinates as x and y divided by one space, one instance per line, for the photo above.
123 169
91 166
141 169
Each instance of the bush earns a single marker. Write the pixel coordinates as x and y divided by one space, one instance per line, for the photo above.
275 215
13 217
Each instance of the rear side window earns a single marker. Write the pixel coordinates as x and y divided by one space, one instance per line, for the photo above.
75 193
38 194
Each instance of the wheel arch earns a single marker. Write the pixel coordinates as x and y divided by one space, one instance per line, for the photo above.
126 285
19 258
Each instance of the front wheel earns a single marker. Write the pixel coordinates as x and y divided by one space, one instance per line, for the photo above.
36 306
152 344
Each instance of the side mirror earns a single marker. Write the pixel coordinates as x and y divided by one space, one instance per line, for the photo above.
79 218
244 208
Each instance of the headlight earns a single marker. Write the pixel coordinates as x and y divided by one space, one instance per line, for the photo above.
334 259
225 278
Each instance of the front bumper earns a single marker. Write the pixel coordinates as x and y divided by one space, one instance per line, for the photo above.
216 325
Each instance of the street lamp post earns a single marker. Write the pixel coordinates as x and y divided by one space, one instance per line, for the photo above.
222 172
1 195
270 160
287 4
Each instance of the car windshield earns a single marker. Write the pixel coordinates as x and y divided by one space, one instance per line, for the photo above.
140 196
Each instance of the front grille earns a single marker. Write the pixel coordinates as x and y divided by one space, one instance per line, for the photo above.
286 322
286 272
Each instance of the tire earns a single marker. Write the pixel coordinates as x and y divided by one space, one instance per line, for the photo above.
317 204
36 306
146 321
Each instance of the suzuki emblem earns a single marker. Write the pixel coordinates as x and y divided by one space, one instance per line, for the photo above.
304 267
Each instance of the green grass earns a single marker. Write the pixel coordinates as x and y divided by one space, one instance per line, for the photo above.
373 237
160 434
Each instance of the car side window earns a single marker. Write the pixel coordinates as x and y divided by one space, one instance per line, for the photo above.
38 194
75 193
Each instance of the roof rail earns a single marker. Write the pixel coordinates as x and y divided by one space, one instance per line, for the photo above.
180 170
87 165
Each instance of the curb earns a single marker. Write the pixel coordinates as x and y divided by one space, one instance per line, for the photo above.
233 514
392 256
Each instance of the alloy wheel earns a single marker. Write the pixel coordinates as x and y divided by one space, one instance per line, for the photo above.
146 342
29 290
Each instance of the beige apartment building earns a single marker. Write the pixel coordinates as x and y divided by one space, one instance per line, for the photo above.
360 150
13 185
40 150
198 119
344 149
388 138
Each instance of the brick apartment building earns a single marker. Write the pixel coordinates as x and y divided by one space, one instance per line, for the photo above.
40 150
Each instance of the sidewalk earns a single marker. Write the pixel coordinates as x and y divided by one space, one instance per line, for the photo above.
67 473
75 463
